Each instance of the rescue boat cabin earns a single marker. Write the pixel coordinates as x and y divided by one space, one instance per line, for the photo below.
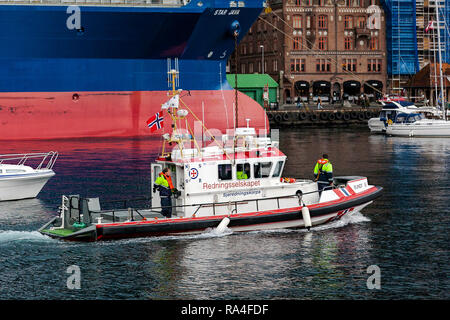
238 175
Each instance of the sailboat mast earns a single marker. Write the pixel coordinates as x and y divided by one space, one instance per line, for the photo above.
441 80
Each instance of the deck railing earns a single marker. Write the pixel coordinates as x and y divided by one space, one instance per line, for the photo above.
231 204
143 3
47 162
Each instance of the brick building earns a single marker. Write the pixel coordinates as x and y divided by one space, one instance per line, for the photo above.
332 49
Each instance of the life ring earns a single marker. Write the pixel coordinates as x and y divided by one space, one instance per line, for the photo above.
346 116
324 115
313 117
270 116
368 115
286 116
278 118
302 116
288 180
354 114
361 116
339 115
331 116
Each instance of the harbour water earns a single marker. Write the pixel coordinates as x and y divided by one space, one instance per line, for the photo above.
405 232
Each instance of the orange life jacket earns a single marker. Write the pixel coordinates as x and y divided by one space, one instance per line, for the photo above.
169 180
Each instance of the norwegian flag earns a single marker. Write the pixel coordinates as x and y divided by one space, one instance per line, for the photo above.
156 122
429 26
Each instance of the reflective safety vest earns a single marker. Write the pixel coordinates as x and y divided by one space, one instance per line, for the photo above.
164 181
241 175
324 168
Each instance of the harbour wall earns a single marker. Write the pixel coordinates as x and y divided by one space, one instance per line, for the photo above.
330 117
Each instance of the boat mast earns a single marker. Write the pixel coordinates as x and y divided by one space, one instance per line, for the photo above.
444 113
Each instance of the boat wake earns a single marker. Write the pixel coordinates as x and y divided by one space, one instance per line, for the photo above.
207 234
12 235
354 218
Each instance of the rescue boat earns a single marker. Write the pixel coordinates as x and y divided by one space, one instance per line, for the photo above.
230 181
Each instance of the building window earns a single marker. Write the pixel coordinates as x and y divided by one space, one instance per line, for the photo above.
250 67
308 22
297 65
361 22
297 43
243 67
349 65
244 49
348 43
297 22
374 65
322 22
275 65
321 3
323 43
323 65
259 66
309 2
298 2
374 43
348 22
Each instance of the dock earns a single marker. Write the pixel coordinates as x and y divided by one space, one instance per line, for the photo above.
327 116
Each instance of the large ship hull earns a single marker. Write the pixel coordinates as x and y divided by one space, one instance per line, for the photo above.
109 75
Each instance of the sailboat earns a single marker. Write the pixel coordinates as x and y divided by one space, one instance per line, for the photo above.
415 124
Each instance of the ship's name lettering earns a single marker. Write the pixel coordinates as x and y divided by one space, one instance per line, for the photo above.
224 12
220 12
227 185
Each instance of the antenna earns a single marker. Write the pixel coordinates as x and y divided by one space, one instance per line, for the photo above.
173 78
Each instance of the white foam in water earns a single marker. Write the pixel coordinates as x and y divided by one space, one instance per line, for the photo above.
356 217
11 235
208 233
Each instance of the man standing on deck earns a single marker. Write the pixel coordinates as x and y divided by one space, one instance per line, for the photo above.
165 187
323 172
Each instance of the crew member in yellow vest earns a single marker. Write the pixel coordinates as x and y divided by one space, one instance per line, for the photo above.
323 172
165 187
240 173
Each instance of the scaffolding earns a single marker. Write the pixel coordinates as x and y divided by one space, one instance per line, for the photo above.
401 42
409 46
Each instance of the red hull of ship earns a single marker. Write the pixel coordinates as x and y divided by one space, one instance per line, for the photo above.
115 114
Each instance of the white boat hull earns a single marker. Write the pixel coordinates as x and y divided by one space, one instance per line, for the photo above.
23 186
431 128
376 125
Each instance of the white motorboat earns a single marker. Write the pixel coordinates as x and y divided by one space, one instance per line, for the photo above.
390 111
416 125
20 181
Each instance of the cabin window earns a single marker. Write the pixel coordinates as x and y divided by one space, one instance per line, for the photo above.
277 171
14 170
262 169
224 171
243 171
